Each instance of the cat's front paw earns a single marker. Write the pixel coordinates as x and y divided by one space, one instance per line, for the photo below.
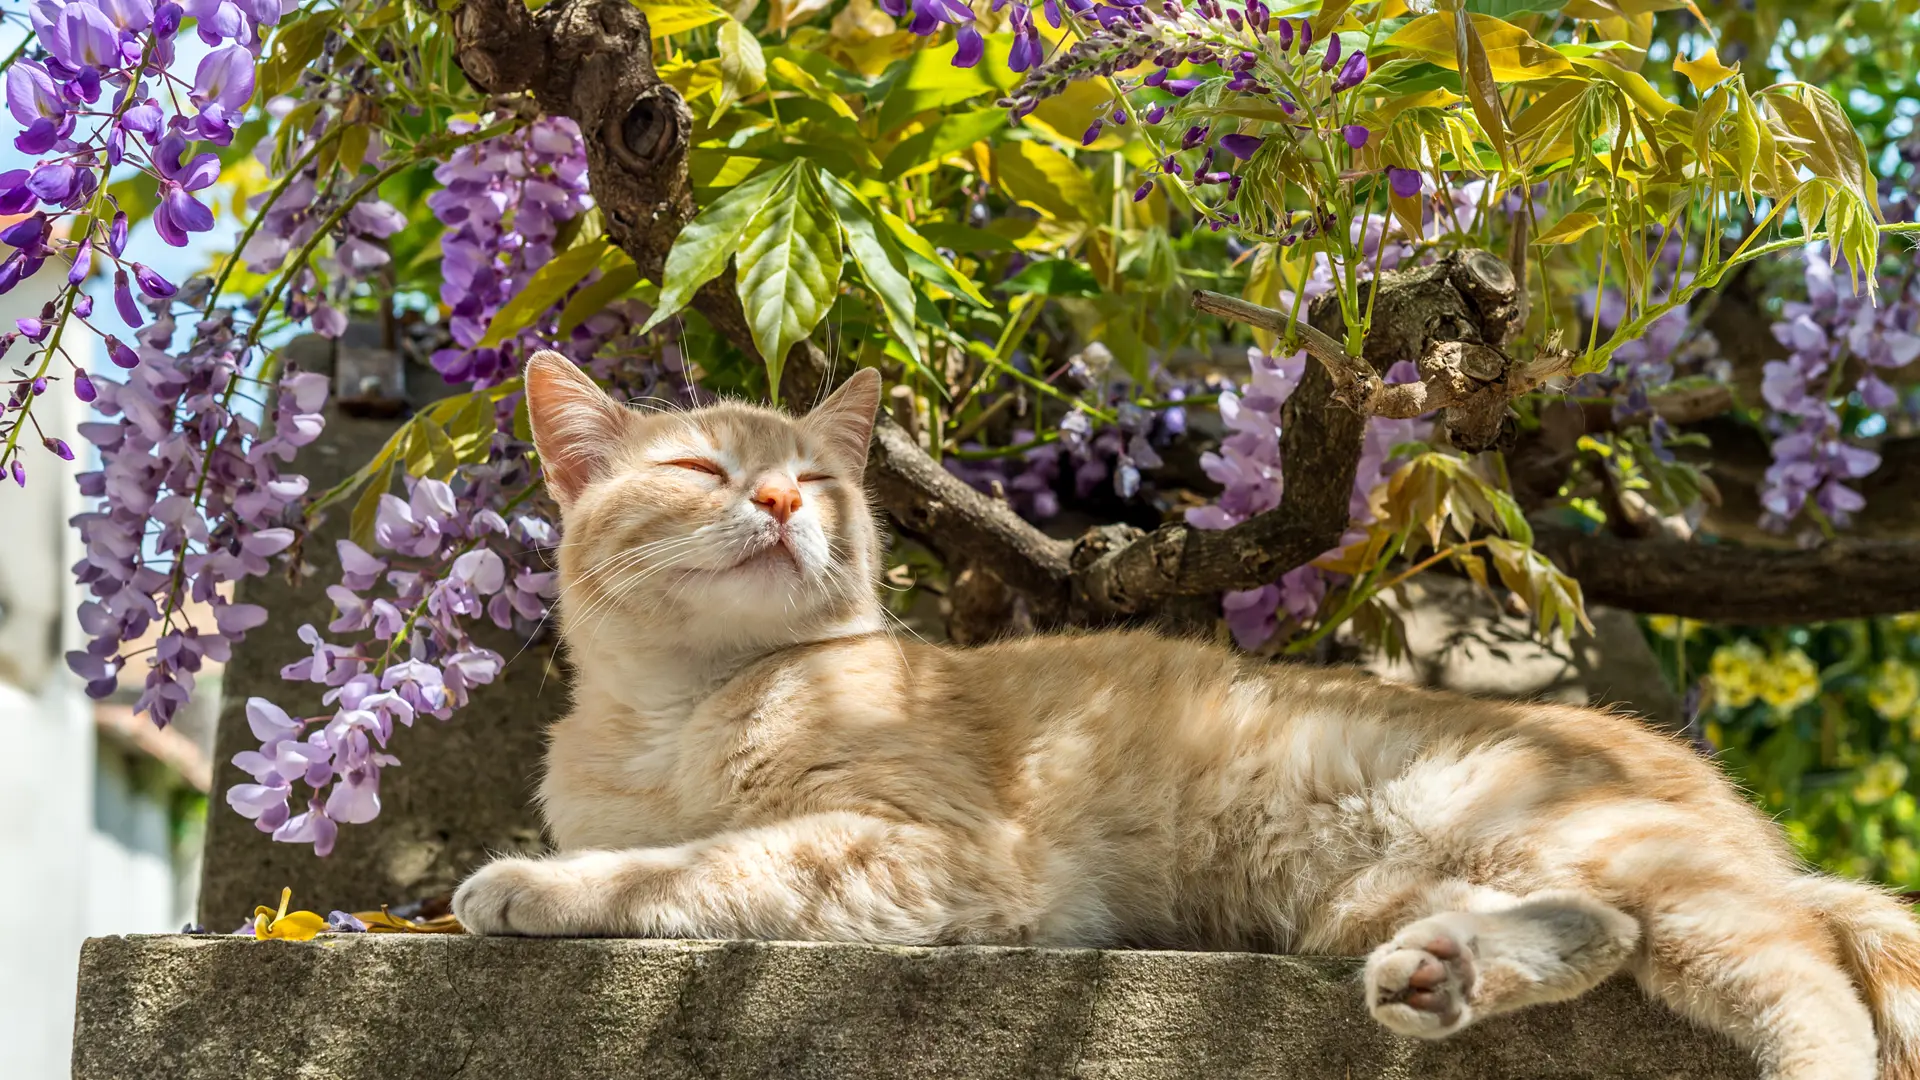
1419 983
528 897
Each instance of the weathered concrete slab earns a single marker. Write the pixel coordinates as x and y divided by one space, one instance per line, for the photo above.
391 1007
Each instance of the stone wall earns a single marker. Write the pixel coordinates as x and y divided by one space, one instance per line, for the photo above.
365 1007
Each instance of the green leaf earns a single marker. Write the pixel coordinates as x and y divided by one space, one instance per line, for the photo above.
471 430
928 80
880 260
1705 70
1507 9
1833 149
296 45
962 237
929 264
789 267
618 276
360 528
705 244
666 17
926 149
1054 277
543 290
743 67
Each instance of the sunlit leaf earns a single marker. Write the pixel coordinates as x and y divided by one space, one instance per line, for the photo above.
927 148
618 276
1476 73
880 260
547 286
1569 228
667 17
705 244
1053 277
930 264
790 258
782 14
1512 54
1705 70
797 77
1045 179
296 45
743 67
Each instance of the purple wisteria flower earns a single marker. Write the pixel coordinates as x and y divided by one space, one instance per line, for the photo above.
1812 457
504 202
81 96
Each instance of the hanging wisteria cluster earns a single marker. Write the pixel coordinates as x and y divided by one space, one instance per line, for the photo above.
503 205
102 96
1832 335
456 554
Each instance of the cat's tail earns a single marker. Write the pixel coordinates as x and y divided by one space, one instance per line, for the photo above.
1880 942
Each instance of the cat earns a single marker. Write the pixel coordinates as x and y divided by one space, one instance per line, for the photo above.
752 754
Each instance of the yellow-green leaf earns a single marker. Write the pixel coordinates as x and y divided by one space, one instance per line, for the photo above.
797 77
1705 71
1637 88
1569 228
360 528
1512 54
666 17
930 264
743 67
543 290
1832 148
926 148
1045 179
1476 74
618 276
296 45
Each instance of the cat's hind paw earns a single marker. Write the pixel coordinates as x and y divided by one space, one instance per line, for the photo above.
1419 983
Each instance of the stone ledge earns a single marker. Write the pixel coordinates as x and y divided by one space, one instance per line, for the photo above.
384 1007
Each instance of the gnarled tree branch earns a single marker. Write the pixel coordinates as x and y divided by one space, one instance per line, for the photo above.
591 60
1846 579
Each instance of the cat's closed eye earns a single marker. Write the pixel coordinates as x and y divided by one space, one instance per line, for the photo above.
698 465
814 478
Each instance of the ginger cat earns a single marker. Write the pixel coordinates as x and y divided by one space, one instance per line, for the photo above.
751 754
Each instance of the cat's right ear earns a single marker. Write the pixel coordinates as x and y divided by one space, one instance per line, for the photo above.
575 424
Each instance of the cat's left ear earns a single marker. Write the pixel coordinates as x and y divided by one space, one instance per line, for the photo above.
845 419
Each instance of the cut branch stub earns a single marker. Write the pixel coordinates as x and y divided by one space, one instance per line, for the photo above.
592 60
1449 319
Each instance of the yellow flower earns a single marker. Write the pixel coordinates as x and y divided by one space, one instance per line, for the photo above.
285 925
1670 625
1733 670
1895 690
1789 681
1880 781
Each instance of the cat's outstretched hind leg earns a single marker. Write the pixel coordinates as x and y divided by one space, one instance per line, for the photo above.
1440 973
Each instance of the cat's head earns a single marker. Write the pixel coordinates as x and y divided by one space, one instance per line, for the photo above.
724 526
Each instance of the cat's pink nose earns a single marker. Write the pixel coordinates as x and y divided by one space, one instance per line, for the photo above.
779 498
